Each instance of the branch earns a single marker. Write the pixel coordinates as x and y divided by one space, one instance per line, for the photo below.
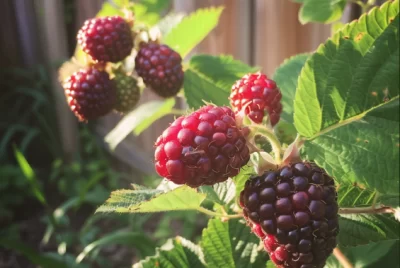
341 258
367 210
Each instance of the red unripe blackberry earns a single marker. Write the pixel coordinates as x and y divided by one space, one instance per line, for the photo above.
128 92
257 95
204 147
161 69
90 93
299 225
106 39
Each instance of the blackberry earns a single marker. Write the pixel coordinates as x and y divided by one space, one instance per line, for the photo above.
257 95
294 211
128 92
204 147
161 69
90 93
106 39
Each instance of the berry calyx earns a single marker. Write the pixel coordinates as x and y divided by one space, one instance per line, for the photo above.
128 92
202 148
90 93
298 226
106 39
161 69
257 95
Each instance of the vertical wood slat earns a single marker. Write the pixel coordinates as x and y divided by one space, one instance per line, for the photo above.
54 46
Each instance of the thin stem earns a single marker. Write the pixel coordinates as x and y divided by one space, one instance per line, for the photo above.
271 137
216 214
367 210
177 112
342 259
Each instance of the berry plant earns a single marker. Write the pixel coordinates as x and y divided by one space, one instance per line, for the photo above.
295 169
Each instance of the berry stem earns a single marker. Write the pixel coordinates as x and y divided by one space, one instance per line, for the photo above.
215 214
342 258
271 137
177 112
367 210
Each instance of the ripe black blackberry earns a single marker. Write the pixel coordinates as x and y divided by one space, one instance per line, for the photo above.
294 211
161 69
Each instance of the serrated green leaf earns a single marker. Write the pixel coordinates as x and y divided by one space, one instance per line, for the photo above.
230 244
354 72
365 152
192 29
325 11
138 241
199 88
380 254
286 77
138 120
352 195
141 201
361 229
224 70
177 252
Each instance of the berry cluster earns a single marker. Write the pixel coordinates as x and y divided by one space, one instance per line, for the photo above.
257 94
205 147
294 211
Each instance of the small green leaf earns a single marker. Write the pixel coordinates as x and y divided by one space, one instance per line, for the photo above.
354 72
148 11
361 229
111 8
139 119
245 173
30 176
230 244
140 201
192 29
325 11
138 241
221 193
177 252
199 88
352 195
380 254
222 69
286 77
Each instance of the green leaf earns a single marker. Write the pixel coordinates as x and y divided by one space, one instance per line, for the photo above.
148 11
140 201
138 241
286 77
352 195
325 11
351 74
34 257
380 254
245 173
192 29
111 8
365 152
177 252
139 120
222 69
361 229
30 176
199 88
221 193
230 244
